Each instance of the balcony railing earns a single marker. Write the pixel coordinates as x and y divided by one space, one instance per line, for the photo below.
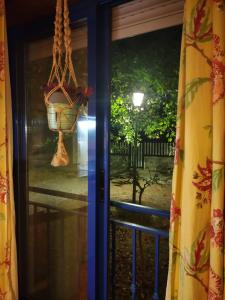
134 228
38 209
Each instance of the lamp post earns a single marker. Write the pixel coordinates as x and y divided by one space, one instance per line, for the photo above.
137 102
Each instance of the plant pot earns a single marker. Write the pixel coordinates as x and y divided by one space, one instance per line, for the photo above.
61 116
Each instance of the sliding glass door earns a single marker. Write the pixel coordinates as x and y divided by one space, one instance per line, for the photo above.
62 212
57 199
77 239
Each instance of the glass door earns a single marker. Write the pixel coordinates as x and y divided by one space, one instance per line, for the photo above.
145 54
57 202
62 212
65 237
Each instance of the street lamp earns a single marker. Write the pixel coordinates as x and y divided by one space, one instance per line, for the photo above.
137 99
137 102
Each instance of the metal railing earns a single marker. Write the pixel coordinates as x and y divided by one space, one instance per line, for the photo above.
147 148
134 228
45 219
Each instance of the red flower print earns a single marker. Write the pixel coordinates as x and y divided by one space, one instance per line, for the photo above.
211 232
217 75
200 247
1 7
6 261
177 151
200 14
3 189
2 62
198 259
201 29
215 286
219 3
203 183
2 294
217 213
175 211
218 67
218 70
219 239
217 49
216 229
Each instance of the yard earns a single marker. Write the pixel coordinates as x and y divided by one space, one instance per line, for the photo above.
158 195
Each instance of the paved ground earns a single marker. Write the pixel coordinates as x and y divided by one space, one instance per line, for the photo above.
67 180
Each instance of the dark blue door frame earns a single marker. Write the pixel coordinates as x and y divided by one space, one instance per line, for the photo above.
99 38
98 16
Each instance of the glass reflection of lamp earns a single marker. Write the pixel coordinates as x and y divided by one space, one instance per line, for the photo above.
137 102
84 125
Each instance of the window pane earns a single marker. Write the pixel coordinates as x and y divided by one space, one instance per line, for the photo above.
142 138
57 219
141 156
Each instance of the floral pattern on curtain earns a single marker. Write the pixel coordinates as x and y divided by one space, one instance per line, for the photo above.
8 265
196 267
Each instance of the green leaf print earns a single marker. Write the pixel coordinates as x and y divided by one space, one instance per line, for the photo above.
216 178
182 154
200 27
200 252
192 88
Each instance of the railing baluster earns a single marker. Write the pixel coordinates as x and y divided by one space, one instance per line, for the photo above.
156 283
113 270
134 262
135 228
150 148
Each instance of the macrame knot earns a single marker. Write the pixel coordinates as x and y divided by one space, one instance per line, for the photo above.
64 100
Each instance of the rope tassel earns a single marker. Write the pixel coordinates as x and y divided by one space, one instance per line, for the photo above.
61 157
64 99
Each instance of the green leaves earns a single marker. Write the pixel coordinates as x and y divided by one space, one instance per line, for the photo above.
150 64
192 88
199 257
216 178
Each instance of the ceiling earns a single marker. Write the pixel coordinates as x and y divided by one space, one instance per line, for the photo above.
26 11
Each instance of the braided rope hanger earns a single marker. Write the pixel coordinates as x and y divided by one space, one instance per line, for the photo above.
62 79
58 75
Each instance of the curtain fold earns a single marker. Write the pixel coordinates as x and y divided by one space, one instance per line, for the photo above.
8 261
196 267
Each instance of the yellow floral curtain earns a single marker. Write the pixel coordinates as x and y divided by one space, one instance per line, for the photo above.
196 269
8 268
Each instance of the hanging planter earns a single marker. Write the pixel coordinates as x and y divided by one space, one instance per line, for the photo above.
64 99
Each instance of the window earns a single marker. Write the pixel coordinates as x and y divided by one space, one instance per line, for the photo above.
57 196
145 58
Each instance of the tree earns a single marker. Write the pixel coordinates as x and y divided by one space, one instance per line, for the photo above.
149 63
142 182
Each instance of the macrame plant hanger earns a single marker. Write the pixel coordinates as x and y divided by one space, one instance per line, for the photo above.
62 95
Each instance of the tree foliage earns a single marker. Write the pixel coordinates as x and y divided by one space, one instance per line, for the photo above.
148 63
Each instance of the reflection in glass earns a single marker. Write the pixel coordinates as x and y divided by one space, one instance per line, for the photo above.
57 221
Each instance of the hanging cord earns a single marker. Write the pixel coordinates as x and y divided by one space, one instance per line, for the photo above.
68 67
68 45
61 157
61 76
62 79
56 71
